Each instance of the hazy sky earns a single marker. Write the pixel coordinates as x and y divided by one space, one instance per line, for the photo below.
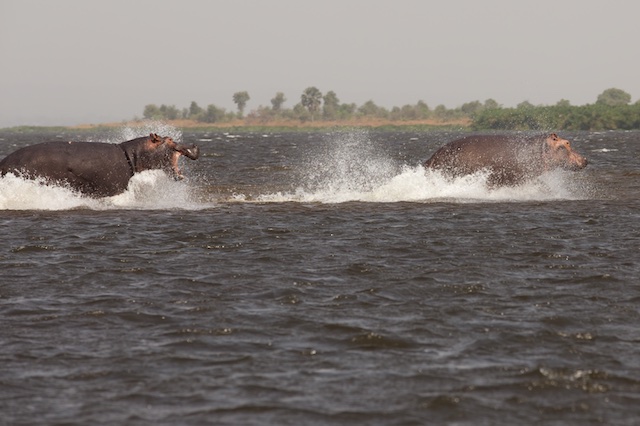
78 61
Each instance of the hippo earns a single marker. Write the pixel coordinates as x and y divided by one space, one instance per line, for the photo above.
97 169
509 159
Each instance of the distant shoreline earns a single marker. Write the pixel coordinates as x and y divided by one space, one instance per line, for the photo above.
251 126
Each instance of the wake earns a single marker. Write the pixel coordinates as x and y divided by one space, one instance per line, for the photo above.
347 168
351 168
149 190
415 184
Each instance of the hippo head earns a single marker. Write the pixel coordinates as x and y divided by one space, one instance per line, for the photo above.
557 153
158 152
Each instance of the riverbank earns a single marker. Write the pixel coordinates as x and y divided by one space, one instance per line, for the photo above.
272 126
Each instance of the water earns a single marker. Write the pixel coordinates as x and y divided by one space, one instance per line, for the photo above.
323 279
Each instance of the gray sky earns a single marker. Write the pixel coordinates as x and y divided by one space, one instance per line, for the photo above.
78 61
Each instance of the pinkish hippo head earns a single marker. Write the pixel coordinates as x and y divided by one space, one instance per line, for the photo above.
557 152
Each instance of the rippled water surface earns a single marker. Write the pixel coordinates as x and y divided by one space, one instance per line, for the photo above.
323 278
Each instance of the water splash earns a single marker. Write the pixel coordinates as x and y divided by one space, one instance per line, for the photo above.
144 128
149 190
415 184
25 194
154 190
351 168
348 165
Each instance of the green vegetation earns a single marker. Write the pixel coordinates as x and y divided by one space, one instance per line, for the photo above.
614 97
611 111
561 117
311 99
313 106
34 129
241 99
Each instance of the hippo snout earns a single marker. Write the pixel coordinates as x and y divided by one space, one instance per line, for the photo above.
584 163
578 163
192 152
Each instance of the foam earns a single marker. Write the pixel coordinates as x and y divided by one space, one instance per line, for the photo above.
144 129
25 194
148 190
415 184
349 167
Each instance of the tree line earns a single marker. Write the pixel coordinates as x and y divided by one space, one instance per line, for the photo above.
612 110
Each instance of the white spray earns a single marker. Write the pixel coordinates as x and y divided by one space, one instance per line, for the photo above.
350 168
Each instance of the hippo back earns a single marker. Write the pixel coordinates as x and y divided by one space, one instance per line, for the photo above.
507 159
100 169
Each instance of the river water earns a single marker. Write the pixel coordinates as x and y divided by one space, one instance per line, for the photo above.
323 278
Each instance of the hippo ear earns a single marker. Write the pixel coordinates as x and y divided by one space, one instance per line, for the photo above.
554 136
154 137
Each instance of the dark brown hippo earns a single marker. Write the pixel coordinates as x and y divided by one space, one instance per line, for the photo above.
97 169
509 159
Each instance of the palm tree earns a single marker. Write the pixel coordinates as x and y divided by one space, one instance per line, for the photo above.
311 99
240 99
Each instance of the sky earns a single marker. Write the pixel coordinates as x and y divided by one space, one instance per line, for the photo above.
69 62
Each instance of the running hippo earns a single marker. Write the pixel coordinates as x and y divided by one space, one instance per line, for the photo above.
97 169
509 159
